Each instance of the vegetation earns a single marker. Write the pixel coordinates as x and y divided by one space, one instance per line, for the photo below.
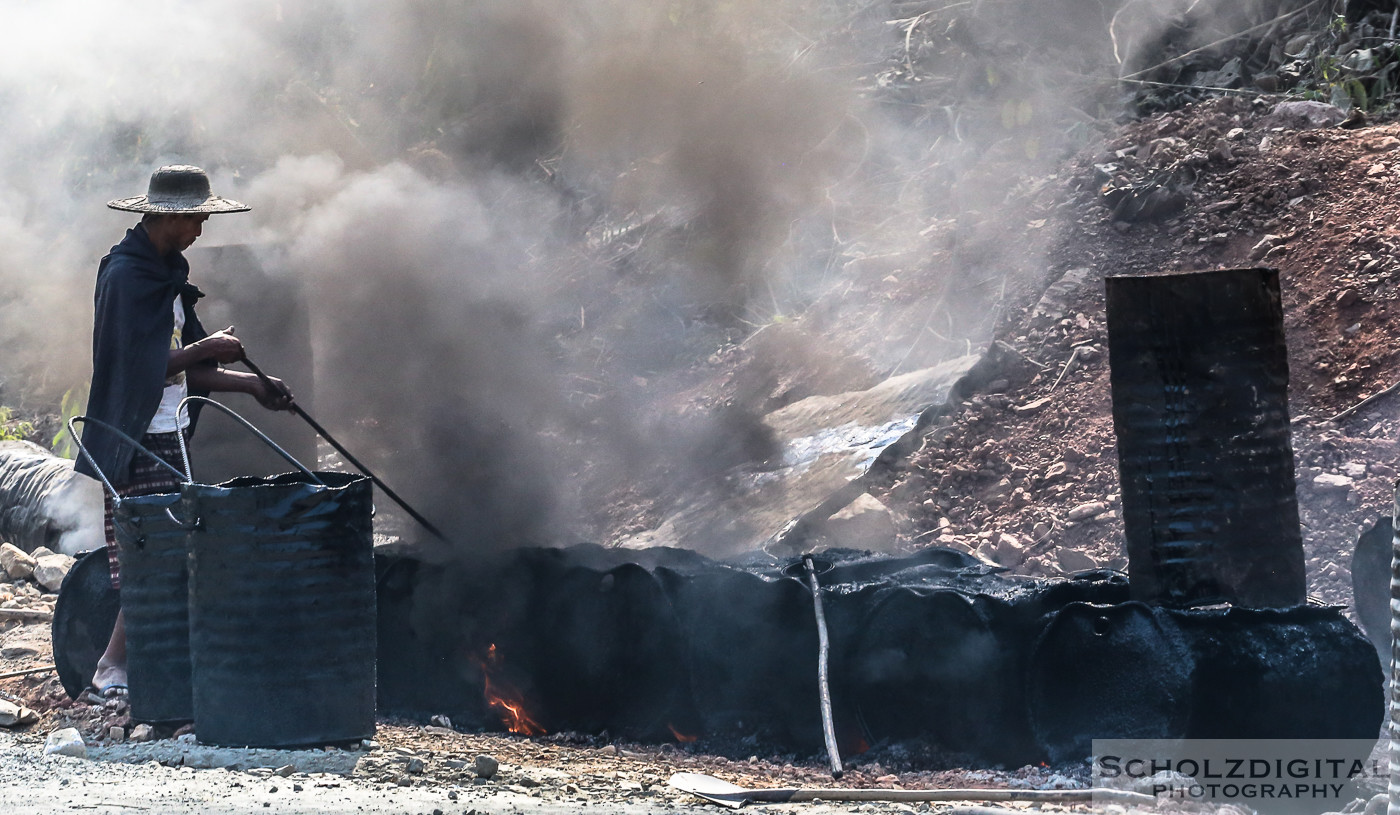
12 429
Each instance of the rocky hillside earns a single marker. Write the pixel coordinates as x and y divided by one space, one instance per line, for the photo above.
1027 472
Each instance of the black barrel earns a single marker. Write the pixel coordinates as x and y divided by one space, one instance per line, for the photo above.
282 610
1200 406
83 619
1370 584
151 549
926 664
1298 673
1109 672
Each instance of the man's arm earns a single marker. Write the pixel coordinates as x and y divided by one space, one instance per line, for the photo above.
219 347
212 378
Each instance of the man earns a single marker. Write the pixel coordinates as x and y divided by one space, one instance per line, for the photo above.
149 351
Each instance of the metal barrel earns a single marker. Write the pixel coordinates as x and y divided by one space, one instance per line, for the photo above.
155 606
923 662
1108 672
1296 673
282 609
1200 406
83 619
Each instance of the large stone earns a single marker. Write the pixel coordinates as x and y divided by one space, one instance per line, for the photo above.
1004 550
864 524
65 742
1071 560
15 562
1333 483
142 733
44 502
1054 303
485 766
1304 115
50 570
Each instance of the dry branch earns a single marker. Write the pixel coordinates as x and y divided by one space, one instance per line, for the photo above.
26 615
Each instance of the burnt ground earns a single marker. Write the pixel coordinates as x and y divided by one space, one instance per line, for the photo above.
1004 476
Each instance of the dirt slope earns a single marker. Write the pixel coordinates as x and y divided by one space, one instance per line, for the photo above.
1241 188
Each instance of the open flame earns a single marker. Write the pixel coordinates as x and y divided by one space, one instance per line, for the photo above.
681 737
508 701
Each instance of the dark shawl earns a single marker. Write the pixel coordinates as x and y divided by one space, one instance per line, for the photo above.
132 325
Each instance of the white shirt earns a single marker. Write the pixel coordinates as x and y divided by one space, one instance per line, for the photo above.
165 420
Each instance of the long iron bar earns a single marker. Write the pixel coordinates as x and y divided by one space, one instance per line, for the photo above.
323 433
1393 720
824 649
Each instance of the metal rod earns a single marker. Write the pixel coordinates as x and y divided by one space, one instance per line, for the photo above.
321 431
722 792
1393 720
824 646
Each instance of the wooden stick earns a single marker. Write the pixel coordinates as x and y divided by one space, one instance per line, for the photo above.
1072 357
1364 402
833 752
28 671
27 614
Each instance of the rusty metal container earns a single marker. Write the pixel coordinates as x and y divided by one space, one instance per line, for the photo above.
1200 407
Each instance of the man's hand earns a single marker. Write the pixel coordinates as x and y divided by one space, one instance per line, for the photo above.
221 346
276 397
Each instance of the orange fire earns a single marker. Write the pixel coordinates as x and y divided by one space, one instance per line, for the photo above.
853 744
506 699
681 737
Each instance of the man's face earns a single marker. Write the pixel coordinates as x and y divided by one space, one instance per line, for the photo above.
184 229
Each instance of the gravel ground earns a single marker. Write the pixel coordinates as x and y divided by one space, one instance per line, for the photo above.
33 782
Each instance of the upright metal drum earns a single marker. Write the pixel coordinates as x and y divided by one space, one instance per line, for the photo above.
282 609
1200 406
151 550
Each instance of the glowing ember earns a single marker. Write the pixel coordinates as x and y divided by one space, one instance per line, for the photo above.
505 698
681 737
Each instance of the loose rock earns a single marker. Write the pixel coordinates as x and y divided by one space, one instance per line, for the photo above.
50 570
1332 482
1071 560
1084 512
485 766
15 562
65 742
13 715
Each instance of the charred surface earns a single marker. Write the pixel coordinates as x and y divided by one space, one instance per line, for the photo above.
936 646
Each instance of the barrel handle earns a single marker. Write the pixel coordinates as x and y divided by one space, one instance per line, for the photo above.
249 425
116 496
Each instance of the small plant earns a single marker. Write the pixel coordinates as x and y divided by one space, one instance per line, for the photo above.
12 429
63 443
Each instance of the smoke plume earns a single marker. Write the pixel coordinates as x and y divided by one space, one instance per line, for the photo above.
519 224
